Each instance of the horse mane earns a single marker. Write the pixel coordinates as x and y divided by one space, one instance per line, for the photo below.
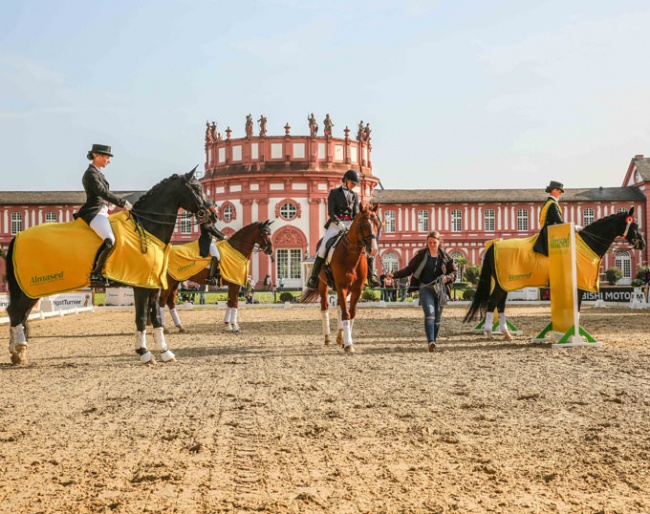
153 191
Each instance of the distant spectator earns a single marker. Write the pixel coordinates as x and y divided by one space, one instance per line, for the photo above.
281 284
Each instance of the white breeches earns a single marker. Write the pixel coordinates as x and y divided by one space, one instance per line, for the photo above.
102 227
331 232
214 251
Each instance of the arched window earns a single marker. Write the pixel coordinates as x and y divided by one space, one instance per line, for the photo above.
389 262
228 213
423 221
288 211
624 263
461 265
389 221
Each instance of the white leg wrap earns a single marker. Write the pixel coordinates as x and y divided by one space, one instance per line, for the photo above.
326 322
233 320
351 324
489 321
141 347
503 325
175 318
347 333
161 313
159 339
17 338
339 323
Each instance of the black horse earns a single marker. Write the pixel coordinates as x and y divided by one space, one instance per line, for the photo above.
156 213
598 236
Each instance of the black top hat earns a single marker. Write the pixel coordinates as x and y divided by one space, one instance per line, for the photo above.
554 185
101 149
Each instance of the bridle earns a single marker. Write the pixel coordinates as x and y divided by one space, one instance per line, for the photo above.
366 239
267 246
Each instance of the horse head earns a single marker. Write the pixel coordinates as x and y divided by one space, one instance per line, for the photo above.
631 231
264 241
193 200
369 226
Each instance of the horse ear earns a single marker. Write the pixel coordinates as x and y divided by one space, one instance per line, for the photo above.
631 213
190 175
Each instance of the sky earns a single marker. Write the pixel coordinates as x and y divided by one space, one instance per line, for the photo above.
459 94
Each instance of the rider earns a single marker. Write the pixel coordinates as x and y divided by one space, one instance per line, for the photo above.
208 247
342 207
551 214
95 210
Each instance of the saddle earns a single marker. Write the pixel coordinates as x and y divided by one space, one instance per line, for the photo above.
185 261
518 266
70 248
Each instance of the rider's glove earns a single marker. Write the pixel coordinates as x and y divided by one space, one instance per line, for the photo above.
127 205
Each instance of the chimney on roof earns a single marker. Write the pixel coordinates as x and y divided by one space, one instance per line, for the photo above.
638 156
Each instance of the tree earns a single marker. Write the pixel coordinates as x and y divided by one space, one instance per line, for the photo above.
462 262
472 274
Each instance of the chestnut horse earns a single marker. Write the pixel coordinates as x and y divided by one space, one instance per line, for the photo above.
244 241
349 269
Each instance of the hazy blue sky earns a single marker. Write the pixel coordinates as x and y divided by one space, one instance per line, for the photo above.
459 94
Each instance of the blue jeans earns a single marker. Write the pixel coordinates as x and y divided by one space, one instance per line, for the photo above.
432 312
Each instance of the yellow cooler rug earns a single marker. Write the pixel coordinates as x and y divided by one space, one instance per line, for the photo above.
518 266
185 261
55 258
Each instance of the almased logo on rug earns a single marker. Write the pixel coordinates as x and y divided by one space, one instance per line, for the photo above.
520 276
183 268
46 279
559 242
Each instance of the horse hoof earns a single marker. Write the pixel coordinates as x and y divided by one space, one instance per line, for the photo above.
181 329
507 336
173 359
487 334
151 362
327 341
16 360
348 349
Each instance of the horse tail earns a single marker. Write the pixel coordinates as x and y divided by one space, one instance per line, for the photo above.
309 296
14 288
483 289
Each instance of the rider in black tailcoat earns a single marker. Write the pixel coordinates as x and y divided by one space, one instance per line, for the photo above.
342 208
95 211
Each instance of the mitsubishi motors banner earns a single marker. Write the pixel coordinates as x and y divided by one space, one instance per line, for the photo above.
621 294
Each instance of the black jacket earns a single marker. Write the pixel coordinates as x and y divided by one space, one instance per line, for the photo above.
341 203
97 193
446 266
553 217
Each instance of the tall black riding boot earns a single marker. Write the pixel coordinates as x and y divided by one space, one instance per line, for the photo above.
213 274
96 277
312 283
373 280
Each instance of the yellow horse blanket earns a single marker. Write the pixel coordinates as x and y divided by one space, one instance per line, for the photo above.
185 261
57 257
518 266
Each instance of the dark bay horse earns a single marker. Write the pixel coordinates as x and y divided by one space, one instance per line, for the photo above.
244 241
598 236
155 212
349 269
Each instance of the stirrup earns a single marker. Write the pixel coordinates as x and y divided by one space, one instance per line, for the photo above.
312 283
98 280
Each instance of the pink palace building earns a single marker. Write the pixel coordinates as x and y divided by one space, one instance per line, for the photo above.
287 178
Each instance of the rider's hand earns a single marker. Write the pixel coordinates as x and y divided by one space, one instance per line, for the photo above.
127 205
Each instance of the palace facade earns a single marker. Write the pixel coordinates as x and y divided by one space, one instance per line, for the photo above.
287 178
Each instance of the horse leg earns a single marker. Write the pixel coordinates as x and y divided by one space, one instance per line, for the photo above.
325 314
166 355
171 305
230 318
501 297
489 321
345 321
18 311
141 300
339 328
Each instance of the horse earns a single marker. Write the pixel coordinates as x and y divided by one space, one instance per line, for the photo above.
154 214
244 241
597 236
349 270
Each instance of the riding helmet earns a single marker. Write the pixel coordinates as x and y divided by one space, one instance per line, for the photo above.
100 149
352 176
554 185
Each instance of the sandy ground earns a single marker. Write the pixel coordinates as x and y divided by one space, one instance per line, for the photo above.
273 421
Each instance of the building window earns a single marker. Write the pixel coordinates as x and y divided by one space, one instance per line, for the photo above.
587 216
621 209
624 263
50 217
488 220
456 221
299 150
16 223
389 221
522 220
186 222
288 211
460 262
288 262
423 221
236 153
228 213
276 150
389 262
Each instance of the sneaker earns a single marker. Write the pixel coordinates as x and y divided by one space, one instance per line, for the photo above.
432 347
